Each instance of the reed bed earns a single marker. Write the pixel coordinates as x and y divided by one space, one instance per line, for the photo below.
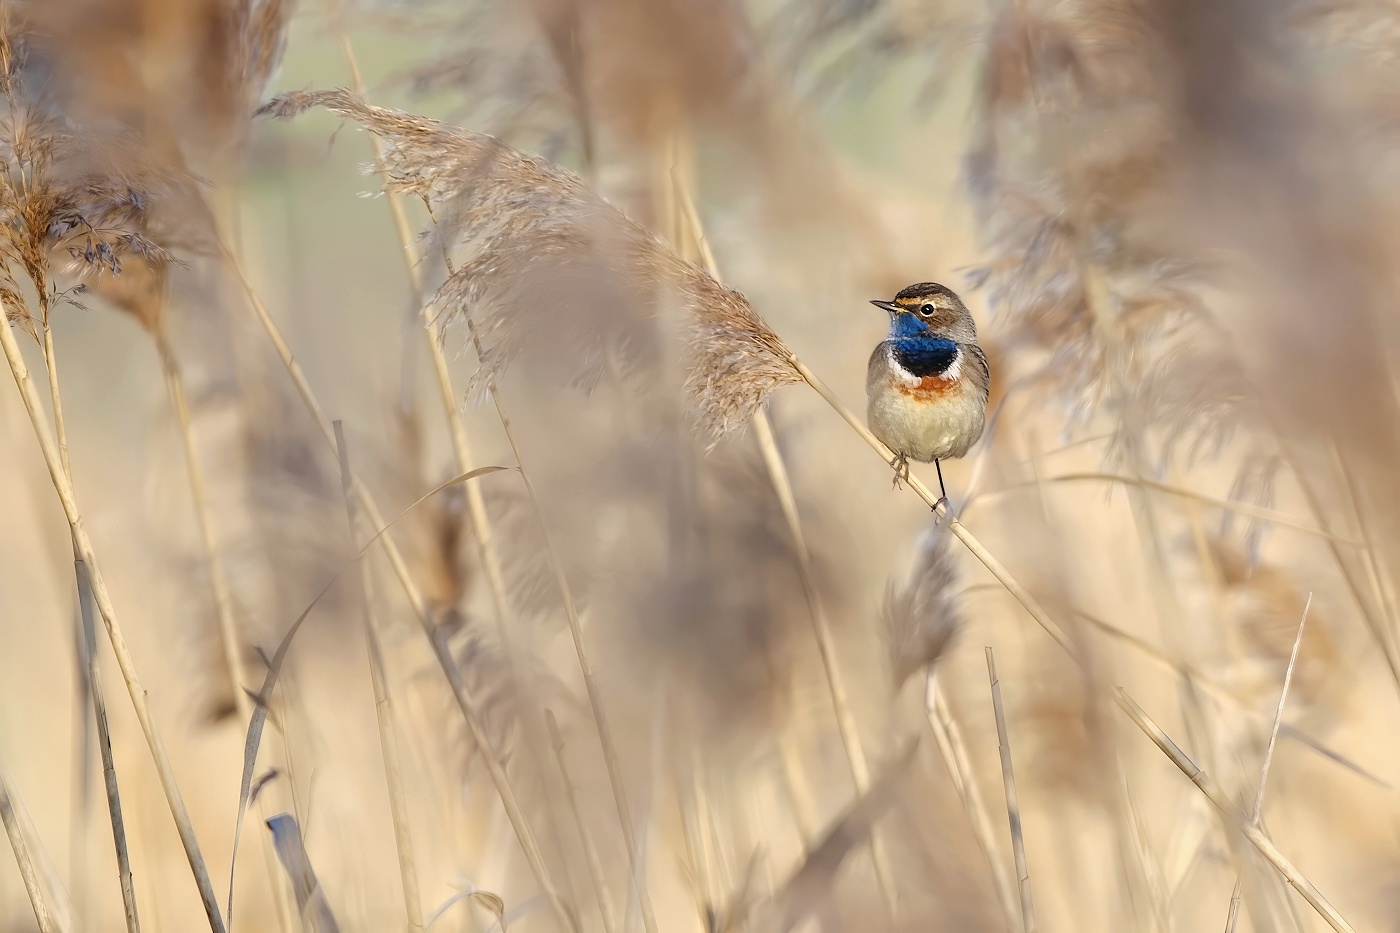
495 562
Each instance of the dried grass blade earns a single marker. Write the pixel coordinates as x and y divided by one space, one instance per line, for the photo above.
104 745
795 899
1257 812
383 709
135 690
955 758
1243 508
220 589
590 848
28 869
1013 807
1236 819
441 652
263 698
316 913
1219 691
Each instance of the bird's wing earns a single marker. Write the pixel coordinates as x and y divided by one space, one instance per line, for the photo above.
980 372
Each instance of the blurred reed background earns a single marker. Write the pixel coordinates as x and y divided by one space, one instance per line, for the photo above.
689 662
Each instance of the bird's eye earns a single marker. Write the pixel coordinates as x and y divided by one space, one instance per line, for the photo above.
926 310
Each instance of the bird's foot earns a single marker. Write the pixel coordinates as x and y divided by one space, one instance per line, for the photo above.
947 508
900 463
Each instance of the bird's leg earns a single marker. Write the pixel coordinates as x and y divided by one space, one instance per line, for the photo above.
942 492
901 469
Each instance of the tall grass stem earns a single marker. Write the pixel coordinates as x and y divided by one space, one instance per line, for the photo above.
104 745
1256 812
442 653
1013 806
64 488
383 709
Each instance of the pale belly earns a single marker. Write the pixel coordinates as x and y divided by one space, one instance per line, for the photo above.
925 426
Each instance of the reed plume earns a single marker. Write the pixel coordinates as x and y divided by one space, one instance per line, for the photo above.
539 242
922 616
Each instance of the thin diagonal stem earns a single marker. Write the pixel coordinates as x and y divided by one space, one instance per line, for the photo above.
480 521
1013 807
28 872
436 638
1126 703
442 378
590 684
566 595
220 589
821 627
1236 819
383 711
1257 811
953 749
104 745
63 486
590 849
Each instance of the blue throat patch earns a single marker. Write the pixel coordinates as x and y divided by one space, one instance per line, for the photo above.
925 356
917 349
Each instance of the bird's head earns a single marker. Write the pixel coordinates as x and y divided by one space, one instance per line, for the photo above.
929 309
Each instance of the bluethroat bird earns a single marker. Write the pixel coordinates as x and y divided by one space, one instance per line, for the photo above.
927 382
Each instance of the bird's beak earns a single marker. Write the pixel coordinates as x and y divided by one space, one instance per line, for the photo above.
889 306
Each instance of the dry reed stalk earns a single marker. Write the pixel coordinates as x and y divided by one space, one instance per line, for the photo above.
821 627
1013 808
28 870
595 700
480 520
89 653
1257 810
383 709
219 585
83 544
953 750
346 104
80 789
1380 580
1033 607
739 359
1248 509
1235 818
220 588
606 907
104 745
590 684
447 395
436 638
802 892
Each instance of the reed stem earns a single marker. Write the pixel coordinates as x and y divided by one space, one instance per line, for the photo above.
104 745
383 710
28 872
219 586
63 486
1013 807
1257 811
1234 817
821 627
606 907
953 749
1125 702
436 638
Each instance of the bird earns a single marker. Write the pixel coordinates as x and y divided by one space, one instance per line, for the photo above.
927 382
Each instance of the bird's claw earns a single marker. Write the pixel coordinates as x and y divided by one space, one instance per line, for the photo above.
943 501
901 469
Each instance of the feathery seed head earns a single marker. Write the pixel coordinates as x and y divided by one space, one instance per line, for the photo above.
542 257
922 616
